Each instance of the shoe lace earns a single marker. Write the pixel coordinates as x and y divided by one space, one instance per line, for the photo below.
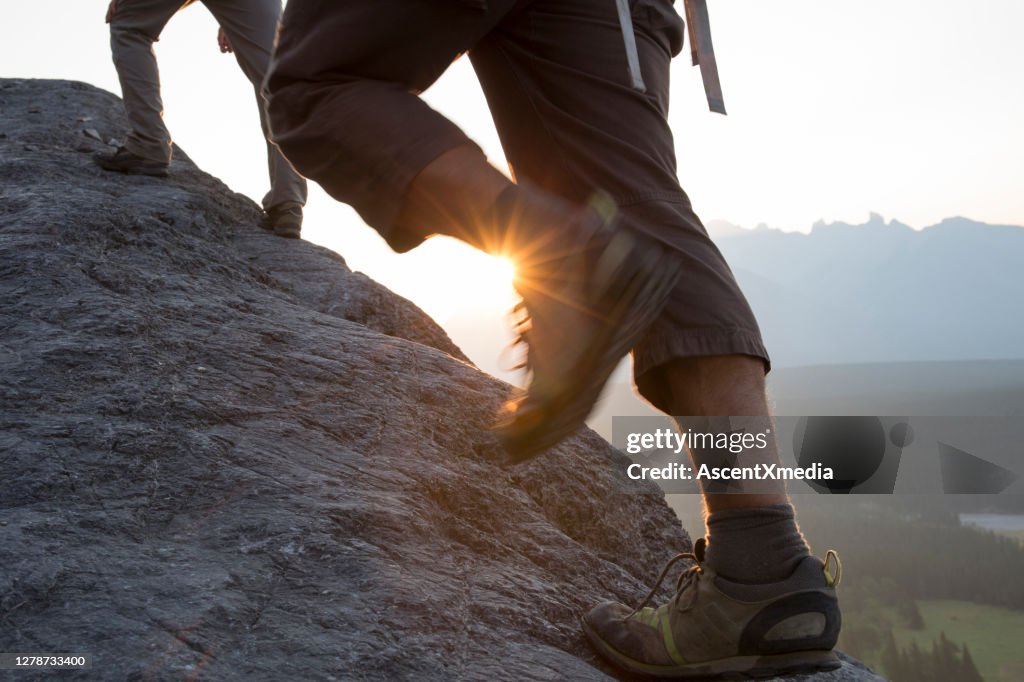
520 318
685 578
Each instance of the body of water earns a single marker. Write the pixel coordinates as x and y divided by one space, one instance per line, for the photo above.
1002 522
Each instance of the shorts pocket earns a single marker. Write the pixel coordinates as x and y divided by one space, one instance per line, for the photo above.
659 21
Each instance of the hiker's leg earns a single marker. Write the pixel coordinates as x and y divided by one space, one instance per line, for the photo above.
783 612
251 26
557 81
455 193
724 386
752 534
344 107
135 26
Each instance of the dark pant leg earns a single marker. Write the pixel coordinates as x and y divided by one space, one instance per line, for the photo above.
557 82
343 95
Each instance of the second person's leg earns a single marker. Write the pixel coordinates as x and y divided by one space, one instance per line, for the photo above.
134 27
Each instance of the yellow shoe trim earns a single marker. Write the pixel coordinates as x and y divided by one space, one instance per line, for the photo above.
670 642
832 578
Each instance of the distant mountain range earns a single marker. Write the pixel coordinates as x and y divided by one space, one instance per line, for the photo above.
882 291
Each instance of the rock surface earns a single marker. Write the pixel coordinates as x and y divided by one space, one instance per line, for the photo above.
227 456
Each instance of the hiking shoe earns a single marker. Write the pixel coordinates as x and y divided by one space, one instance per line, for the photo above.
284 220
713 627
582 309
124 161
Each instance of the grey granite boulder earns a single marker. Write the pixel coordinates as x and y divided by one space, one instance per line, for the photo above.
224 455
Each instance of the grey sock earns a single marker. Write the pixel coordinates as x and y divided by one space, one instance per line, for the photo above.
755 545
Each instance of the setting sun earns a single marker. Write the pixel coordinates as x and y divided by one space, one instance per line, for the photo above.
454 280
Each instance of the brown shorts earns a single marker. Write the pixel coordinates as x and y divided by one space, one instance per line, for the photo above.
344 109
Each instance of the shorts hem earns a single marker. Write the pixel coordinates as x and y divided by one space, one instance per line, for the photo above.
382 213
658 351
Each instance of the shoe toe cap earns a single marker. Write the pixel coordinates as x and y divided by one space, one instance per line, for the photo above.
616 630
608 613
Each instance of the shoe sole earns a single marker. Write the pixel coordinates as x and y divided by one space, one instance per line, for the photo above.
288 234
732 668
152 173
565 413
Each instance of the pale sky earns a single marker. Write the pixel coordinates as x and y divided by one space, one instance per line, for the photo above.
909 108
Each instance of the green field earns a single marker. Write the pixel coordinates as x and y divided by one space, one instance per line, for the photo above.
994 635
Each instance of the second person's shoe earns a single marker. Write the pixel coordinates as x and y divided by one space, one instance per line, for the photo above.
284 220
124 161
